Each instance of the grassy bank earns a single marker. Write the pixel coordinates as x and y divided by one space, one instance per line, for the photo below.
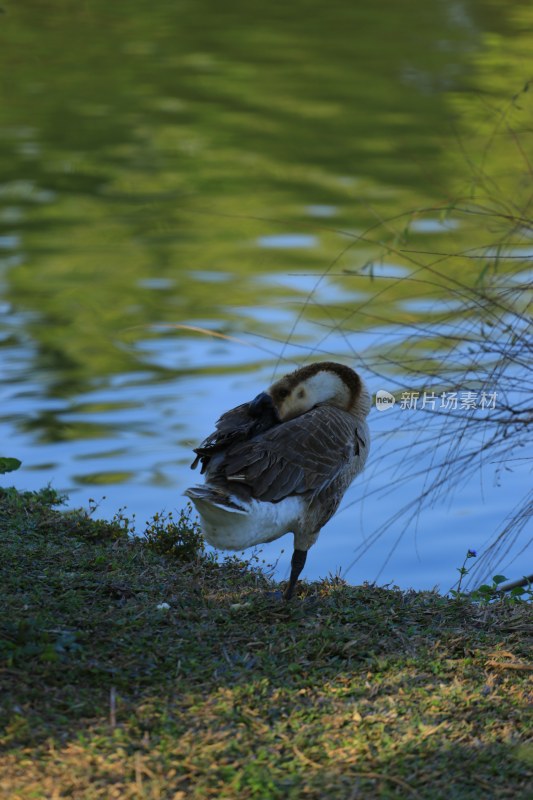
348 692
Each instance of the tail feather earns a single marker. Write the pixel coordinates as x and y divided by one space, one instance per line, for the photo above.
205 497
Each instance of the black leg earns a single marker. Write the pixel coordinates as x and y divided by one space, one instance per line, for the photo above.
297 565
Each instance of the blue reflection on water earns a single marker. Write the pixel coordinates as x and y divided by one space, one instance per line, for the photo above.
288 241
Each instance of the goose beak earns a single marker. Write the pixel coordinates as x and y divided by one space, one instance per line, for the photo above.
263 405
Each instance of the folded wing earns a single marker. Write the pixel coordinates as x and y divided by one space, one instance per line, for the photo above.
303 455
236 425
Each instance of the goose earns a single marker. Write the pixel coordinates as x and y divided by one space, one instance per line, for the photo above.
282 462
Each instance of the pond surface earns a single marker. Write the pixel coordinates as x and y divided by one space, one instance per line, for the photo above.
344 182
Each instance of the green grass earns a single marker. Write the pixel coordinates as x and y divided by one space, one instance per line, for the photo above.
347 692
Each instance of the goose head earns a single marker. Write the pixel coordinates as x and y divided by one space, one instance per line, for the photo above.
323 383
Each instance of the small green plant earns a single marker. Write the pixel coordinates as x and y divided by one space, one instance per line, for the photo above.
487 593
8 464
79 522
181 539
123 524
463 571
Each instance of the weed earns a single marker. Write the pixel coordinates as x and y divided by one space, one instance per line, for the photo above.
487 593
180 539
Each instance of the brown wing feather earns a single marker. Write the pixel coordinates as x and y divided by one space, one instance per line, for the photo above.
302 455
236 425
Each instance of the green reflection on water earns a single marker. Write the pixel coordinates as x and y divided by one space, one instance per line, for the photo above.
146 151
104 478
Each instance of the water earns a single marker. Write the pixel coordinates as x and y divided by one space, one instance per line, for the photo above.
293 180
